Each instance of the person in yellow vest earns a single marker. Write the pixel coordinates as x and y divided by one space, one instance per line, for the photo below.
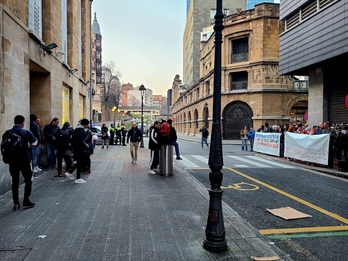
118 134
112 134
124 133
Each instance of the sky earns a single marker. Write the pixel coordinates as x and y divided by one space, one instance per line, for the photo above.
144 38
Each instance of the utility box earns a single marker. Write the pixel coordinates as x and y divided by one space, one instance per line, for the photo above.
166 160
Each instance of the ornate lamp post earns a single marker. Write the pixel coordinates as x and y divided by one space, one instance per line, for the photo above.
90 64
114 111
215 230
142 90
206 115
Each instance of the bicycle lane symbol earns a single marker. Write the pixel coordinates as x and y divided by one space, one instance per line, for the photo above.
242 186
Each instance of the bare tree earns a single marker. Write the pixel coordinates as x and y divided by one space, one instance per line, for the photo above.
133 101
111 86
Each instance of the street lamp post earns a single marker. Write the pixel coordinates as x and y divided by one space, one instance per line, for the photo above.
114 111
215 230
90 64
142 90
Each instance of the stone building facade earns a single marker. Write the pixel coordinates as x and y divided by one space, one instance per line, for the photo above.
252 92
200 13
44 61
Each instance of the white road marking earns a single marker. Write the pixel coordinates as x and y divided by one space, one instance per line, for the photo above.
272 162
249 161
187 163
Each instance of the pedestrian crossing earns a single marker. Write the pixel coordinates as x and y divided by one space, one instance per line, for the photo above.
199 161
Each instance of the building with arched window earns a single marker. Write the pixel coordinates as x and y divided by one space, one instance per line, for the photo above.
252 92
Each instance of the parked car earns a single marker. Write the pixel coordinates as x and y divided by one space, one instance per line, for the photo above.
145 130
97 131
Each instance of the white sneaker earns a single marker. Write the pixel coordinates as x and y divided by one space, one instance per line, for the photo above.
151 172
80 181
135 162
70 176
35 170
38 169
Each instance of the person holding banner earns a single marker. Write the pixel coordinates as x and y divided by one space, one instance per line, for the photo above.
251 137
244 137
327 130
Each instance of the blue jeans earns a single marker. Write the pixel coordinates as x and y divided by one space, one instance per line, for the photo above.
51 155
176 146
251 143
245 143
35 152
204 140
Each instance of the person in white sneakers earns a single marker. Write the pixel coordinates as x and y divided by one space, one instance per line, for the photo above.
35 150
154 146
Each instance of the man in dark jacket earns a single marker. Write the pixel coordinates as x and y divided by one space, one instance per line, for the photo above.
80 148
135 136
205 134
50 141
63 138
21 164
35 150
173 139
154 146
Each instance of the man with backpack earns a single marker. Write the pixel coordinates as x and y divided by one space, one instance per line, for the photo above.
16 153
63 144
164 132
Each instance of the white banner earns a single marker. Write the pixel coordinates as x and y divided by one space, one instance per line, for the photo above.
267 143
310 148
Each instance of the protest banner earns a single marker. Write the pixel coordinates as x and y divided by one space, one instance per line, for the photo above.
267 143
310 148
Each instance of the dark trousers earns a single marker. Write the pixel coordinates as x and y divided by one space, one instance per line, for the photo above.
118 139
124 139
112 140
61 154
154 159
23 167
80 164
51 155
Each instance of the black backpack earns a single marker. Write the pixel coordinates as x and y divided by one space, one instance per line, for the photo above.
11 147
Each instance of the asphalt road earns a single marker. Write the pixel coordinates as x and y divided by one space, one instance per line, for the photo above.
250 190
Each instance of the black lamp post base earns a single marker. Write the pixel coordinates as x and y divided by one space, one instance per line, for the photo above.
215 246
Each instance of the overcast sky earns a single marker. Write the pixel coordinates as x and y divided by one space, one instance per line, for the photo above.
144 39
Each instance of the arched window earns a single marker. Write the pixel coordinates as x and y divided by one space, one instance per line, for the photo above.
196 118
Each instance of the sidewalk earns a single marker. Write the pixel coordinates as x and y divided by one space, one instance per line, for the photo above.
334 171
121 213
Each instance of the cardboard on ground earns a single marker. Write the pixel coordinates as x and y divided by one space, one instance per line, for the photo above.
287 213
270 258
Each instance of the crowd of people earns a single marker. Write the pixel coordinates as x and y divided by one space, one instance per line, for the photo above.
74 146
338 145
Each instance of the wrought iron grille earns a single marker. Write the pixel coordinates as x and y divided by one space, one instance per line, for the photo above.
235 116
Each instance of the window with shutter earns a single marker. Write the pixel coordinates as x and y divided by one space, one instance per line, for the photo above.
64 28
35 17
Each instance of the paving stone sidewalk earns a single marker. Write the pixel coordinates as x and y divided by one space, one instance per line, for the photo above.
121 213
